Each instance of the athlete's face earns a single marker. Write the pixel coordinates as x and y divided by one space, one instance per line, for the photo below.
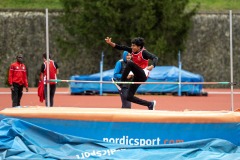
20 58
135 48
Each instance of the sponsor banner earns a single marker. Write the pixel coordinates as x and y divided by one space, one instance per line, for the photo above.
141 134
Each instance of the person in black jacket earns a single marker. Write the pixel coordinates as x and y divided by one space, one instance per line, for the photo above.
139 66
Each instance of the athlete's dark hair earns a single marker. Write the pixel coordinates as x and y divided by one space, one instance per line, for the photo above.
45 55
139 41
19 55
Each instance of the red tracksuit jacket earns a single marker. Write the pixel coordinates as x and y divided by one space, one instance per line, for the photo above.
18 74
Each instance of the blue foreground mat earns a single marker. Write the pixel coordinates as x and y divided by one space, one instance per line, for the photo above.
132 127
22 140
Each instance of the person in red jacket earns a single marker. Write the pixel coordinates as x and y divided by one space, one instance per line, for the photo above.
53 71
17 79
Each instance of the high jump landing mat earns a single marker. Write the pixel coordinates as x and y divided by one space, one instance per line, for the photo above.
131 126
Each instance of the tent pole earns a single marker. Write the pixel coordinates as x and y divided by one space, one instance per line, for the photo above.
179 74
101 74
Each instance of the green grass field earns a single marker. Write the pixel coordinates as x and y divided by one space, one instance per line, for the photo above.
216 5
30 4
205 5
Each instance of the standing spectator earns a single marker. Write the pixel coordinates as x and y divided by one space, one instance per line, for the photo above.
53 71
17 79
118 70
138 65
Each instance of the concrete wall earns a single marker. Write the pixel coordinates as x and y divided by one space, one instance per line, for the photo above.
24 32
208 47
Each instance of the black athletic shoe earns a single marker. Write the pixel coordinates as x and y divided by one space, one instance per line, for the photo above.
152 106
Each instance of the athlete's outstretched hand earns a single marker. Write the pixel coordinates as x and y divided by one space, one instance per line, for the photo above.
108 40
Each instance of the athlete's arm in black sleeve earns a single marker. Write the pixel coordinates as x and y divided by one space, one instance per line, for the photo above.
42 68
148 55
122 47
56 65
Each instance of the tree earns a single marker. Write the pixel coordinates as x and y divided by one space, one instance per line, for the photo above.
163 24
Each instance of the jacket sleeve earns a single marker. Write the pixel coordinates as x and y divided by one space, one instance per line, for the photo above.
42 68
10 75
117 70
148 55
25 78
122 47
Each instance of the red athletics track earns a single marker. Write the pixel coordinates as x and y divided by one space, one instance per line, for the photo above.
217 99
